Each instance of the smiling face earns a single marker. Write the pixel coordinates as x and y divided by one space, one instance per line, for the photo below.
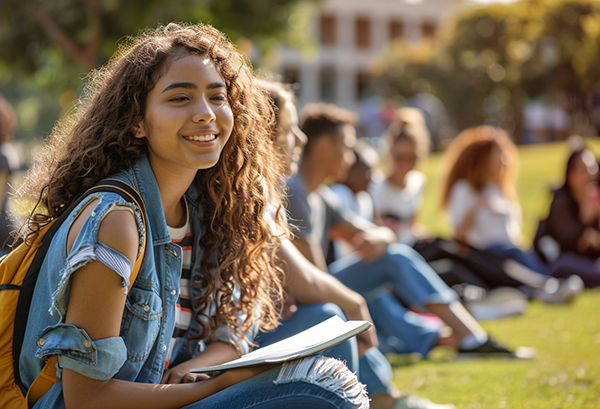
188 119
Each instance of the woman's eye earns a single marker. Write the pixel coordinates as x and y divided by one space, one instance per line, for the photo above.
219 97
179 99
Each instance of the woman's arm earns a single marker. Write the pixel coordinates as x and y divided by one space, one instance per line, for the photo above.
216 353
309 285
96 304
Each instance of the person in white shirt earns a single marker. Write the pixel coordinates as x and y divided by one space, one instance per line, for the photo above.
479 194
398 198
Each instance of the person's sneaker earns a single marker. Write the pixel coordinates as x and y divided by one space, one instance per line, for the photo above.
492 349
561 292
414 402
498 303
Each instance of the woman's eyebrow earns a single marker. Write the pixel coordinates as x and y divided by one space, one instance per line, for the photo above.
188 85
214 85
191 85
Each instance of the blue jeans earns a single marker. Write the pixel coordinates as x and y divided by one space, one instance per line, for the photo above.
411 332
570 263
414 285
373 369
313 382
529 260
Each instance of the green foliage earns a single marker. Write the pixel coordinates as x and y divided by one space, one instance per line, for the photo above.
502 54
47 47
38 35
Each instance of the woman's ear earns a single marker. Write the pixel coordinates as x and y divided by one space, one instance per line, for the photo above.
140 130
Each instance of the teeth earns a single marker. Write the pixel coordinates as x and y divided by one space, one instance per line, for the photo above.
201 138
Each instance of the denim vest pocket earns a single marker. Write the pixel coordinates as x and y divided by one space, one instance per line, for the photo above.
141 322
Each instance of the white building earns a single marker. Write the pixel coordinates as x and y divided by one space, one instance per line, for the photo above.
351 34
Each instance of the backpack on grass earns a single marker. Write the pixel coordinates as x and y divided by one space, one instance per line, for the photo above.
19 271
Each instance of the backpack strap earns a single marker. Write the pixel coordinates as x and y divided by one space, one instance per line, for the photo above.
47 377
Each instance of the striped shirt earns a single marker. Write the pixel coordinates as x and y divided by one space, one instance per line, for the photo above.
182 236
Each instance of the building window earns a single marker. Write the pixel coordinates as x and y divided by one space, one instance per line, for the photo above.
327 82
362 30
428 29
396 29
291 75
363 81
328 27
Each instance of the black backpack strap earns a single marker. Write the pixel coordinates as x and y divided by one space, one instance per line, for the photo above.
117 186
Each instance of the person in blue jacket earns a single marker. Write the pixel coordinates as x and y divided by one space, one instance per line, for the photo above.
176 115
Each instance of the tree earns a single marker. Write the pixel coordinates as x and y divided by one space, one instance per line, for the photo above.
493 58
52 44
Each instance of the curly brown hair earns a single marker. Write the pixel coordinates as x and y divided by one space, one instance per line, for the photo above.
98 140
468 157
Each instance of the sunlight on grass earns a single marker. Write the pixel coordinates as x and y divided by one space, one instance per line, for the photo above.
566 372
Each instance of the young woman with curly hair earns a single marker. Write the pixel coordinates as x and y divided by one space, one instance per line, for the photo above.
479 194
177 115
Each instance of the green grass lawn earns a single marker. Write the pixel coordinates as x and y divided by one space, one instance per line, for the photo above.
566 372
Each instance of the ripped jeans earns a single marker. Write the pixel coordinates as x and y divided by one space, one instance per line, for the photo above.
312 382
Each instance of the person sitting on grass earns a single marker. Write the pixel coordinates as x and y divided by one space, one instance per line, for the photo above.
177 115
569 238
378 261
315 295
479 193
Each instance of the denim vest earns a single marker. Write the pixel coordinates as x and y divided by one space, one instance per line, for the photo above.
139 353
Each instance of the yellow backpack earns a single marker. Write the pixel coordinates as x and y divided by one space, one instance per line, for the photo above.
18 274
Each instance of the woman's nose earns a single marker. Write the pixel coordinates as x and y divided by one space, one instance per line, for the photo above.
203 111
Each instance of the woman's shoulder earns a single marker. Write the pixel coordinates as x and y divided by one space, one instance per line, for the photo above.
460 187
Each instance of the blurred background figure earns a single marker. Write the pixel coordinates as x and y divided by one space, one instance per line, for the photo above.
9 162
398 198
569 238
434 113
479 194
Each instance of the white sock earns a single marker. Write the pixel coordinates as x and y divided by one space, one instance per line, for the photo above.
473 340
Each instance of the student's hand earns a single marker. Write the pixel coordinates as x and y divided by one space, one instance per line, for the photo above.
368 338
215 353
181 374
369 246
360 311
237 375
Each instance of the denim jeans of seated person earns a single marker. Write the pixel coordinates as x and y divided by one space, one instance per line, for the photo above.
373 369
313 382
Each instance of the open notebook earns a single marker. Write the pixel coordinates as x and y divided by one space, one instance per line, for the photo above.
308 342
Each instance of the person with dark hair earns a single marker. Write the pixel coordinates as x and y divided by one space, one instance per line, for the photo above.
569 238
9 162
377 261
320 295
178 116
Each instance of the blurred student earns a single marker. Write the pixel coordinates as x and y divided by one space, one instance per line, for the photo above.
378 261
399 197
480 195
569 239
9 162
319 294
